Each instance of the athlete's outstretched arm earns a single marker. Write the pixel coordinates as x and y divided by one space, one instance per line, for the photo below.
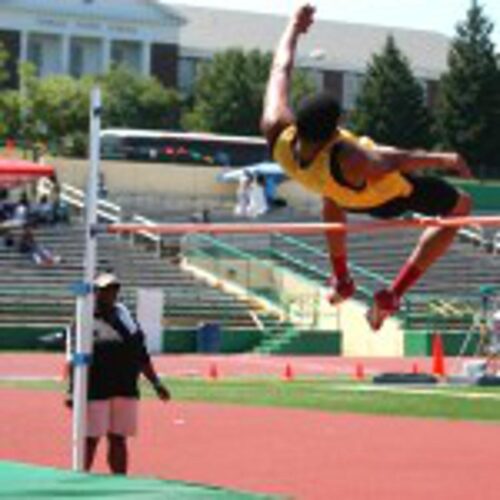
410 161
277 113
380 160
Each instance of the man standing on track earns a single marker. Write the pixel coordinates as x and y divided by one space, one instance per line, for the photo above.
119 357
354 174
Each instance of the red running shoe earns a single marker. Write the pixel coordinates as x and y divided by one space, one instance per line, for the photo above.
385 303
343 290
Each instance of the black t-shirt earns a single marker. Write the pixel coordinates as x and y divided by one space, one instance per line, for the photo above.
119 353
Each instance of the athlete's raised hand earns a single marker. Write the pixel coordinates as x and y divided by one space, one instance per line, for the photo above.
303 18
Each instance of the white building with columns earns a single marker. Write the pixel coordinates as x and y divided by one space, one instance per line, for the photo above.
80 37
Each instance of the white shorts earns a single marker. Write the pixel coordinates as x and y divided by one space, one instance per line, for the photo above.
112 416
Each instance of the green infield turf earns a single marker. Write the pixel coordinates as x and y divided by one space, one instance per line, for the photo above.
338 395
18 481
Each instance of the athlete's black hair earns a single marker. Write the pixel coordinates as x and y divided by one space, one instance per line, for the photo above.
317 117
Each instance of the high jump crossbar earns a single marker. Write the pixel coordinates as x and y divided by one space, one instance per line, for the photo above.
301 228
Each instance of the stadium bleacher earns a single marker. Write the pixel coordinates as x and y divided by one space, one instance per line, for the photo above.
447 297
42 296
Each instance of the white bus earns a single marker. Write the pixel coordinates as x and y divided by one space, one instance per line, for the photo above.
182 147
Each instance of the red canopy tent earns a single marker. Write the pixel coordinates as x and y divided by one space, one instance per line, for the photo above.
14 172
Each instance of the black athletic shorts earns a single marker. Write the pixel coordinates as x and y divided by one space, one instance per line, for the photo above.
431 196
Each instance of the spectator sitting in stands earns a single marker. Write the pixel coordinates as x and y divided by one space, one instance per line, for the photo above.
40 255
60 209
51 208
22 211
43 211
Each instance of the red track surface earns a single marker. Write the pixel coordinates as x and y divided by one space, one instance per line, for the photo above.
308 455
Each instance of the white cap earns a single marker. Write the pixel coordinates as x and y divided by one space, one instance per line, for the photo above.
106 279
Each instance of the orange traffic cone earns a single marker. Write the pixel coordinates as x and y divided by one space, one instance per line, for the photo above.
415 369
213 372
438 365
359 373
288 374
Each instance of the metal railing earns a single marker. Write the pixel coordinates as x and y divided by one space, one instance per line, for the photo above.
257 276
376 278
74 197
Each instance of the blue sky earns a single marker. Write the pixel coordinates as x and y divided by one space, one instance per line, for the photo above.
435 15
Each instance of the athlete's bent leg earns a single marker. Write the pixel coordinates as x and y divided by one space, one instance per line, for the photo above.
434 242
432 245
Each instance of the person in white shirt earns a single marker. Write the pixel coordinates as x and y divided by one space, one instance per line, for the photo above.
119 357
258 203
243 195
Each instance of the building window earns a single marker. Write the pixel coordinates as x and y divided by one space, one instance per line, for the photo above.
127 54
352 83
86 57
44 52
35 55
76 64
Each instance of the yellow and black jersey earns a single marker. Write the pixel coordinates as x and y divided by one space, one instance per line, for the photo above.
324 174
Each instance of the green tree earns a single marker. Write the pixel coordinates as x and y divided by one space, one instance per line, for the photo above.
229 90
4 116
469 102
28 87
4 57
9 113
391 106
55 109
51 109
135 101
60 107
